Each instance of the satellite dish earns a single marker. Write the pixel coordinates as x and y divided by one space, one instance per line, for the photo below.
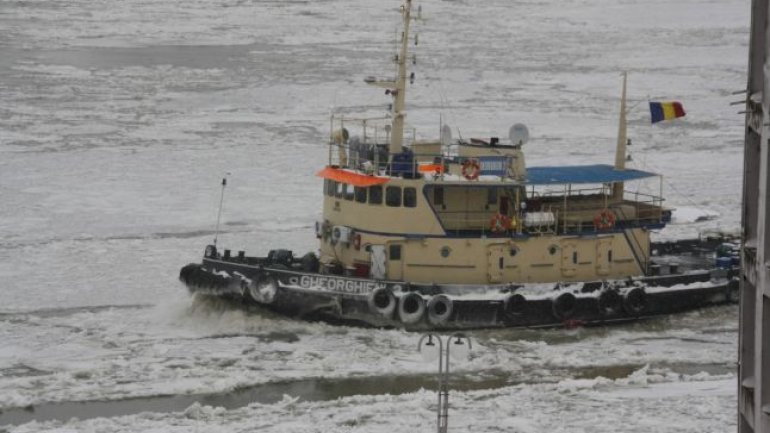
518 134
446 135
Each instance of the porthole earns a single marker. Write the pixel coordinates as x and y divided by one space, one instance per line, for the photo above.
513 251
445 252
552 249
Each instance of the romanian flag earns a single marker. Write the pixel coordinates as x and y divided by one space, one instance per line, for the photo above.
665 111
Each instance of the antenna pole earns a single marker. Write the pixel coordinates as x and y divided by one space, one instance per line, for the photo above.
219 214
620 150
399 112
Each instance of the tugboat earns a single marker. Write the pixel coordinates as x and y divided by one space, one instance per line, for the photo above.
454 234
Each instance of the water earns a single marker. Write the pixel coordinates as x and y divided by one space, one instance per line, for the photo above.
119 119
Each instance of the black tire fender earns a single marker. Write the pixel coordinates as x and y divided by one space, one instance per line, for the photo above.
609 302
440 308
382 301
263 291
564 306
411 308
515 305
635 301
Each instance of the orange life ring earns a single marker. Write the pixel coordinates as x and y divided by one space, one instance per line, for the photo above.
604 220
499 223
471 169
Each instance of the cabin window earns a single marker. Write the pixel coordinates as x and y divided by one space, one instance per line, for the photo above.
375 194
491 196
410 197
339 191
574 257
348 192
394 252
360 194
329 187
393 196
609 255
438 196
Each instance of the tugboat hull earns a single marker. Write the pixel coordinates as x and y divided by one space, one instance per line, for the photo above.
378 303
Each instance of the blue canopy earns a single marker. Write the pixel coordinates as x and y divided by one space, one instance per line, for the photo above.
599 173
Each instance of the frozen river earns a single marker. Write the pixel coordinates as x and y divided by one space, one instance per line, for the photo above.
118 120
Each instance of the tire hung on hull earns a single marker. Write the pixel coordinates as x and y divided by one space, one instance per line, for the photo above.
515 306
440 309
635 301
382 302
609 302
263 291
564 306
411 308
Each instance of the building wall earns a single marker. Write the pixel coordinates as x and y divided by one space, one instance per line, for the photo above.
754 347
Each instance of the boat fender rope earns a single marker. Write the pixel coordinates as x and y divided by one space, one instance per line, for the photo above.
471 169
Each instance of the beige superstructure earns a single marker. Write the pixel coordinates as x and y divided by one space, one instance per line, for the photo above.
470 212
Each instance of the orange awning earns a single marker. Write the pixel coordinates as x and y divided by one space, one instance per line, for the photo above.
351 178
430 168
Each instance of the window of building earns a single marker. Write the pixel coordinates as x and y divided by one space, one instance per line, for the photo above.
394 252
375 194
393 196
410 197
360 194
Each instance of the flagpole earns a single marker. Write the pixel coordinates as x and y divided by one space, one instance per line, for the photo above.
219 214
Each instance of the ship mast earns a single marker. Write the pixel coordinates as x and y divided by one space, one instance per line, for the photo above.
620 150
399 109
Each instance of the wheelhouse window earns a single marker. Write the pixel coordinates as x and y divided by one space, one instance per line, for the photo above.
375 194
360 194
410 197
438 196
339 191
330 186
393 196
348 192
